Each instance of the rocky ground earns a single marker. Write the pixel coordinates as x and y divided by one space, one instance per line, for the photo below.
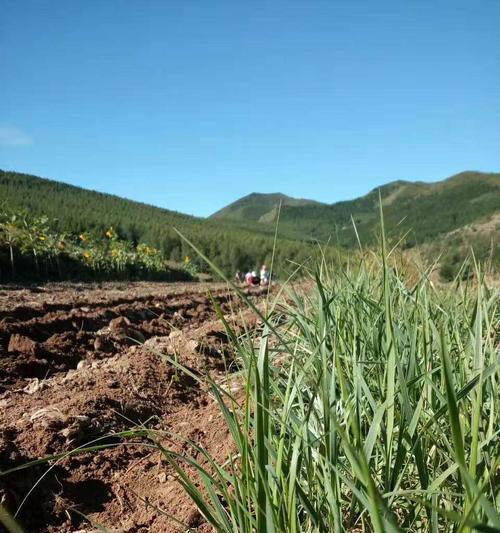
79 362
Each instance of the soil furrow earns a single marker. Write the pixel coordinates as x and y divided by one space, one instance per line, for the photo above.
72 374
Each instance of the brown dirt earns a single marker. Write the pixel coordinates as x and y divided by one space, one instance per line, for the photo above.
80 362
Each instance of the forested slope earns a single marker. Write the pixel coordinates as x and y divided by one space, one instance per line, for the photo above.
258 207
75 210
423 211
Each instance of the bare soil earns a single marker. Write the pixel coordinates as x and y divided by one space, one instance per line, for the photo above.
79 362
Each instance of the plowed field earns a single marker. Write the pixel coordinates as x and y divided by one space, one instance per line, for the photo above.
79 362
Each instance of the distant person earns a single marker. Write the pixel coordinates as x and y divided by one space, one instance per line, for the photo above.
249 278
239 277
255 278
265 276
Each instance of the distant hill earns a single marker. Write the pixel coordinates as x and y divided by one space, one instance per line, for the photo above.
259 207
423 211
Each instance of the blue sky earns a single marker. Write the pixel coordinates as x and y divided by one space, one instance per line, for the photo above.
192 104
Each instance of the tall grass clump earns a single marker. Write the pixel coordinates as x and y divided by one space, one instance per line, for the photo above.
368 405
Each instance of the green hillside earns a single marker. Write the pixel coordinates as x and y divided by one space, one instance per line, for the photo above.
445 219
423 210
259 207
75 210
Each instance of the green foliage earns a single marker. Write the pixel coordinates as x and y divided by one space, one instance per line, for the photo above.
258 207
366 406
30 249
190 266
73 210
424 211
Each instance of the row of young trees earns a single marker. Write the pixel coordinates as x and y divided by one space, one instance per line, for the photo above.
30 248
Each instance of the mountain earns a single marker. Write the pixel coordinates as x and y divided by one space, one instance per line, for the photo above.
421 211
230 244
445 219
259 207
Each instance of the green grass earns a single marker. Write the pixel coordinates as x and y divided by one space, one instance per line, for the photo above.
369 406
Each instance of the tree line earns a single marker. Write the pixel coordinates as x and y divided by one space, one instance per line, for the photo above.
33 207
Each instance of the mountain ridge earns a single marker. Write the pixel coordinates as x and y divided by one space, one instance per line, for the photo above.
423 209
255 205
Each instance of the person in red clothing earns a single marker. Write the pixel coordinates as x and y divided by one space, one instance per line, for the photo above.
255 278
251 278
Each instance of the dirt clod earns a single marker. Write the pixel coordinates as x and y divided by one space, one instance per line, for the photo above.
23 345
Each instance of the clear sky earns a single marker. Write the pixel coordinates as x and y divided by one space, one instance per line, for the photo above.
191 104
